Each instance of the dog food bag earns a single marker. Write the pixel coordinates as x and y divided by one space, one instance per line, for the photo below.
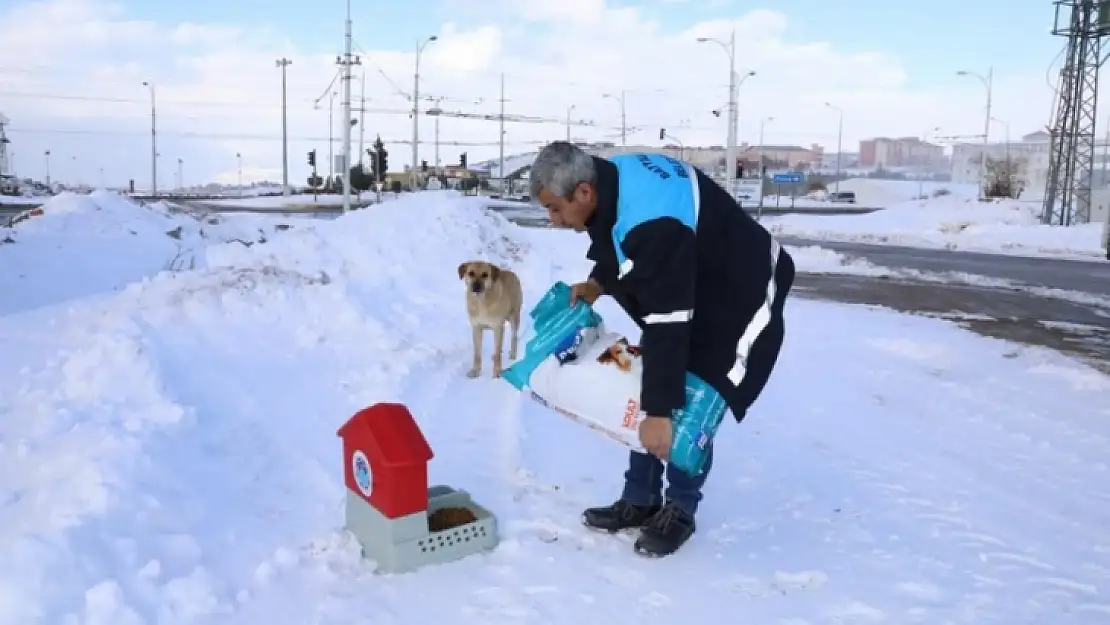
578 369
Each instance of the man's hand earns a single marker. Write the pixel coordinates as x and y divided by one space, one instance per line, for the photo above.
655 436
588 291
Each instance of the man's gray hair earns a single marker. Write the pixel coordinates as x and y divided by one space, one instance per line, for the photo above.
560 167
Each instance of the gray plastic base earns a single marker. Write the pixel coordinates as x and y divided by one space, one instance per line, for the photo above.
404 544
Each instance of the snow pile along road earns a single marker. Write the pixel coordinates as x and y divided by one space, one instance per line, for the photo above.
88 244
168 455
951 222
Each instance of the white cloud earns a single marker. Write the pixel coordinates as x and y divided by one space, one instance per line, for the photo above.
219 91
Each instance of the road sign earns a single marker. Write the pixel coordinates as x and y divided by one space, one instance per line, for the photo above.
748 191
790 177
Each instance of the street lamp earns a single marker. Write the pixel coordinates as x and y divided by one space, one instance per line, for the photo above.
624 117
987 81
921 176
416 107
839 142
47 155
153 139
730 141
569 109
239 158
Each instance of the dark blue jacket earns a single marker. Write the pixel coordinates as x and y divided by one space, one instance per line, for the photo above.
704 281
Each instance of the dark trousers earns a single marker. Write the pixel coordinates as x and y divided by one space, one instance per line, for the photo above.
643 482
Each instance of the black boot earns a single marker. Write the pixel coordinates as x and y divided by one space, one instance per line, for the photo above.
619 516
665 532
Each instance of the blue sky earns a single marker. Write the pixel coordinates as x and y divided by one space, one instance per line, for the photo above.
930 37
891 65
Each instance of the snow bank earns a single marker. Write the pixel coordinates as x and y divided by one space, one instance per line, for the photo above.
952 222
88 244
168 455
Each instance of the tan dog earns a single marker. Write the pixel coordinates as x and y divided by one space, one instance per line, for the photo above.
493 297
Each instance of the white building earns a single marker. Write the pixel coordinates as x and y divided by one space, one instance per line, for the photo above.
1033 151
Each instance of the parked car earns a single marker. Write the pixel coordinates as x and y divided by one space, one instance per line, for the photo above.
843 197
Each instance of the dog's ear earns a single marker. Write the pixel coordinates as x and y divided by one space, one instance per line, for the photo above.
462 269
494 272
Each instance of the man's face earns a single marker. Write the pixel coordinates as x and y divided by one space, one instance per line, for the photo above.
570 212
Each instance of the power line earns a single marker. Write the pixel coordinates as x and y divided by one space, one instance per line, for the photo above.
511 118
244 136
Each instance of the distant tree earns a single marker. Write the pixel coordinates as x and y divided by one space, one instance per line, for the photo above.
315 182
360 179
1003 178
382 162
395 186
816 185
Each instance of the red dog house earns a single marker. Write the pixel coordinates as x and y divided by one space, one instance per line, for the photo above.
385 461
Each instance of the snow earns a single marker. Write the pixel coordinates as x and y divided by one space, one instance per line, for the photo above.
87 244
276 202
513 164
951 222
168 451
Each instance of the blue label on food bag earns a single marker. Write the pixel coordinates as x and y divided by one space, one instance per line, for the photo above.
567 350
703 440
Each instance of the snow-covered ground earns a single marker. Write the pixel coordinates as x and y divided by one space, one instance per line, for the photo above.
278 202
91 244
951 222
168 452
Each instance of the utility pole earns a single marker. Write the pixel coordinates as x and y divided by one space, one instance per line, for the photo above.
153 140
733 109
331 136
501 141
283 63
438 102
346 62
569 109
361 113
839 141
987 81
416 111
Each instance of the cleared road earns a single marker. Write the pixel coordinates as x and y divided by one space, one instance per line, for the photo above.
1072 275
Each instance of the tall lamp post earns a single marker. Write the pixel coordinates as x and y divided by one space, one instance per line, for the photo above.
839 142
733 106
153 139
988 82
569 109
624 114
239 158
416 109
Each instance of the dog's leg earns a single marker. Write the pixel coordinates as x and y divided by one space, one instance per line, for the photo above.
498 345
476 367
514 326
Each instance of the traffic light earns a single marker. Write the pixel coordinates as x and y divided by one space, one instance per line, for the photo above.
662 133
312 158
424 167
462 160
383 161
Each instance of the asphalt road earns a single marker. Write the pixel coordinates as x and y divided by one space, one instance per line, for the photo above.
1072 275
